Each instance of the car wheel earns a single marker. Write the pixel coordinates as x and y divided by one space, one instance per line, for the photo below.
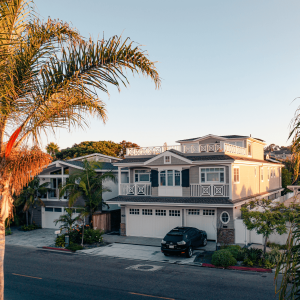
189 252
204 242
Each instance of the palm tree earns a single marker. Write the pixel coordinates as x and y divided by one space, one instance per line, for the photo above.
30 196
67 220
52 148
87 184
49 78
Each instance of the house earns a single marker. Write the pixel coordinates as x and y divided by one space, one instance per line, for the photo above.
57 173
281 154
201 182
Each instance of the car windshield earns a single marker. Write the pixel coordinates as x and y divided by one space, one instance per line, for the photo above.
173 237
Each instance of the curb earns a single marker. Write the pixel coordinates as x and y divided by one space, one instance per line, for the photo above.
58 249
239 268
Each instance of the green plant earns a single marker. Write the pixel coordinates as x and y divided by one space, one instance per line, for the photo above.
223 258
269 265
273 256
7 231
248 262
234 250
254 254
30 227
261 262
60 241
274 245
74 247
67 221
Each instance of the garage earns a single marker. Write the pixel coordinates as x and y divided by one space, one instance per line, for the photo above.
50 214
152 221
203 219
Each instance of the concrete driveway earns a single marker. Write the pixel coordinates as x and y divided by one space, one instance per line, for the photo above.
34 238
140 252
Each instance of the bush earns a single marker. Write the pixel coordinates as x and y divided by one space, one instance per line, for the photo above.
74 247
273 257
223 258
234 250
248 262
60 241
254 254
7 231
274 245
30 227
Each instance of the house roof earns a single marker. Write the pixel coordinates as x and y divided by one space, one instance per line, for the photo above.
105 165
95 154
221 136
187 200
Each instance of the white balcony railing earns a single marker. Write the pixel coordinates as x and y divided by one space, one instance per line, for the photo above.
188 148
209 190
137 189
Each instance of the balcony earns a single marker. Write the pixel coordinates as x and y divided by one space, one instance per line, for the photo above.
209 190
192 148
135 189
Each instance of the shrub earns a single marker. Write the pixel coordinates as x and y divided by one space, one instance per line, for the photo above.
8 232
234 250
273 257
274 245
254 254
30 227
60 241
241 255
223 258
74 247
268 265
248 262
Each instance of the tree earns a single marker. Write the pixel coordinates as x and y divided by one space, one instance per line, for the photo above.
30 196
52 148
265 218
49 78
286 178
105 147
67 220
88 185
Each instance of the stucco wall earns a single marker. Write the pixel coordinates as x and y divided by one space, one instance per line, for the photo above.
257 151
230 224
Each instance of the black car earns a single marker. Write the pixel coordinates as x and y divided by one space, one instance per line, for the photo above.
182 240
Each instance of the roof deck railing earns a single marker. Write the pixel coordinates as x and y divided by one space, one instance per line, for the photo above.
188 148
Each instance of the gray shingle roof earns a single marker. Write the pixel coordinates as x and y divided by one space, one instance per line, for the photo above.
105 165
187 200
134 160
209 157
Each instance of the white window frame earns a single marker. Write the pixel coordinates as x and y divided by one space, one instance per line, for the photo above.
165 159
147 211
208 212
212 182
139 175
166 179
262 174
134 211
174 212
221 217
193 212
161 212
236 182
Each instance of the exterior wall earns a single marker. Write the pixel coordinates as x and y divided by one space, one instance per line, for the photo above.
123 221
250 184
230 224
209 141
155 191
176 161
160 161
37 216
257 151
157 162
186 192
194 174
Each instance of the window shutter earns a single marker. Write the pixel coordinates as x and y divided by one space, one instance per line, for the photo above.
154 178
185 178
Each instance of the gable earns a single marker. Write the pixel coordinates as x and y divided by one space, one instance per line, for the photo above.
160 160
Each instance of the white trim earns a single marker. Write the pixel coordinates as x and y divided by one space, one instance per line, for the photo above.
221 217
165 160
95 154
168 152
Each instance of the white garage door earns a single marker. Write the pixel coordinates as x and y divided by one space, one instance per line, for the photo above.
152 221
49 214
203 219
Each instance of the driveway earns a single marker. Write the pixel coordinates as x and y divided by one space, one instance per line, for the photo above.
34 238
140 252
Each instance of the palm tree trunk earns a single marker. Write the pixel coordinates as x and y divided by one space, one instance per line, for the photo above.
2 251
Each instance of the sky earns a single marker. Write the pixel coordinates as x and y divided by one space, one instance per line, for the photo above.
227 67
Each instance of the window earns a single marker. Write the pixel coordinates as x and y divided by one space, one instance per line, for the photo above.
49 209
225 218
167 159
262 174
194 212
134 211
160 212
249 149
57 209
208 212
174 213
236 175
142 176
147 212
239 144
170 178
212 175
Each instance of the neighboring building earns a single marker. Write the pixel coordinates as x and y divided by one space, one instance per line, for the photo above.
57 173
202 182
281 154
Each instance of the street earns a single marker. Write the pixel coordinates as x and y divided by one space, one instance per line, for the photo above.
32 273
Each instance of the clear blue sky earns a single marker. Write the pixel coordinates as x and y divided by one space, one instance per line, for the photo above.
227 67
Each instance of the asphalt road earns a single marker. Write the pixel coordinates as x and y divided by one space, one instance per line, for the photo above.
36 274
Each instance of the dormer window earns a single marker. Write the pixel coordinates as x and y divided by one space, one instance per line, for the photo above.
167 159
